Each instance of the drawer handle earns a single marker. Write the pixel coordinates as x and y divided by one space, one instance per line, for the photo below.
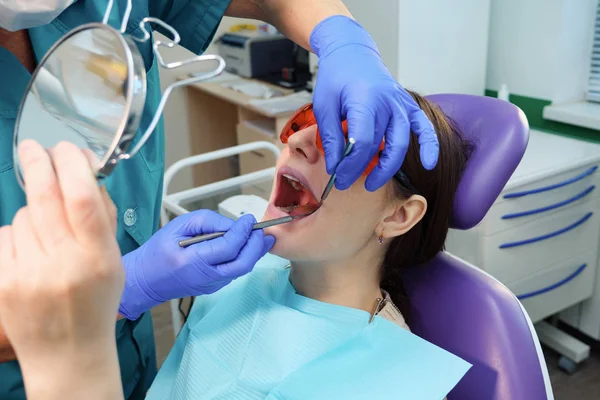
552 206
553 286
552 187
548 235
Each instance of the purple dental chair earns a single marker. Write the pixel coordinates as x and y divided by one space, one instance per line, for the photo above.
457 306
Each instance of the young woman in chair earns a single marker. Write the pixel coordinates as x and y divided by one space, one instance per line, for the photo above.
327 318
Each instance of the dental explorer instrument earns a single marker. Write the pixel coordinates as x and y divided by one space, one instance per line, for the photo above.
282 220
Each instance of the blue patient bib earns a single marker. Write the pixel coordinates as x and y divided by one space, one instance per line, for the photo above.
259 339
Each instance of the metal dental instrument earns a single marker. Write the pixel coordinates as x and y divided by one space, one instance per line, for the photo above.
282 220
331 182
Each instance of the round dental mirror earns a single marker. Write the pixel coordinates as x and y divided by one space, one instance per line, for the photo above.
89 90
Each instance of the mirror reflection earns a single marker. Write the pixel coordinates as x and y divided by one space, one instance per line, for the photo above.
79 94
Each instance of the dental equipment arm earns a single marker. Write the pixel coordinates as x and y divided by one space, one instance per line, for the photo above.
353 84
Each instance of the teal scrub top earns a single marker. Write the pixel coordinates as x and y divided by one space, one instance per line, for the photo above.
135 185
258 339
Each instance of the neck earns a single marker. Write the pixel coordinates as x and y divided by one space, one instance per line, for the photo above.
350 282
19 44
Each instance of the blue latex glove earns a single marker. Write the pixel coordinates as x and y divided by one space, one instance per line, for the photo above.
354 83
160 270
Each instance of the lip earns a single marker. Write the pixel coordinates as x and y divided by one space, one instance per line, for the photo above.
274 212
287 170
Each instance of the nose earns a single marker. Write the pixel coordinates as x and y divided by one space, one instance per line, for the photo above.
303 144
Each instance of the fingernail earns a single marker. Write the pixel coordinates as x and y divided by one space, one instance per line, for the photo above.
27 146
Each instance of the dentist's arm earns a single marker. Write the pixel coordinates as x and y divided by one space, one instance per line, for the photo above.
352 83
296 19
6 351
160 270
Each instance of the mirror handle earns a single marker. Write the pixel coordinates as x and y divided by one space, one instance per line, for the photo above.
126 16
194 79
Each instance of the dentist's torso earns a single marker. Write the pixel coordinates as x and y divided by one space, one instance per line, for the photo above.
136 185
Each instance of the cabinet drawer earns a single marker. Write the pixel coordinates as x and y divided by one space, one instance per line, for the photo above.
506 216
529 202
578 177
560 286
519 252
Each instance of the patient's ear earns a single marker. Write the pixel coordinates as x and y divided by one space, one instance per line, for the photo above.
402 216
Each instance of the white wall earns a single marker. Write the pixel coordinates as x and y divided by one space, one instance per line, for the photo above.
380 18
443 45
431 46
540 48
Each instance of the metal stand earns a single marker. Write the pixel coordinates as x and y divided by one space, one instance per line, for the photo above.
572 350
172 203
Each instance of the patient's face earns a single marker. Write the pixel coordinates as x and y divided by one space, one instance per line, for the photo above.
341 227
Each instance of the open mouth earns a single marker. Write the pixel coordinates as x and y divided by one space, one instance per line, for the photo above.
293 197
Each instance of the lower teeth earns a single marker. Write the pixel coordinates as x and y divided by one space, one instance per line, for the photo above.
288 209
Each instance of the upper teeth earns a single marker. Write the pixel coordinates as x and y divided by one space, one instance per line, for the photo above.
291 178
296 184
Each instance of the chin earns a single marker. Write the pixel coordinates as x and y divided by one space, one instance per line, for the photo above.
289 251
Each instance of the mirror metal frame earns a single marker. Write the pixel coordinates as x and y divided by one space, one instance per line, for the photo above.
135 99
136 86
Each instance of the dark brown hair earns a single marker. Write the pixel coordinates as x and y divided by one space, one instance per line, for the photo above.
426 239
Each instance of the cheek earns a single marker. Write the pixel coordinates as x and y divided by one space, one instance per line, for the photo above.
315 238
356 210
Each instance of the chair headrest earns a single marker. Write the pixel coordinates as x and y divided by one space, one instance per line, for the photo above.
499 131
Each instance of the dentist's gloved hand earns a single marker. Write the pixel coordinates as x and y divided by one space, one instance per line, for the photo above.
161 270
354 83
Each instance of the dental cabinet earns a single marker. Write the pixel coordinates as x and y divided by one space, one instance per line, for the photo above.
221 117
541 238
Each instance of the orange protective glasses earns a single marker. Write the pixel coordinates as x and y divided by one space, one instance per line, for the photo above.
305 117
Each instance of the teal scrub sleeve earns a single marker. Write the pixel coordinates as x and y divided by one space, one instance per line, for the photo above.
195 20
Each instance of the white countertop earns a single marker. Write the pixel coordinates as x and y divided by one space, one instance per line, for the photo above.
583 113
548 154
